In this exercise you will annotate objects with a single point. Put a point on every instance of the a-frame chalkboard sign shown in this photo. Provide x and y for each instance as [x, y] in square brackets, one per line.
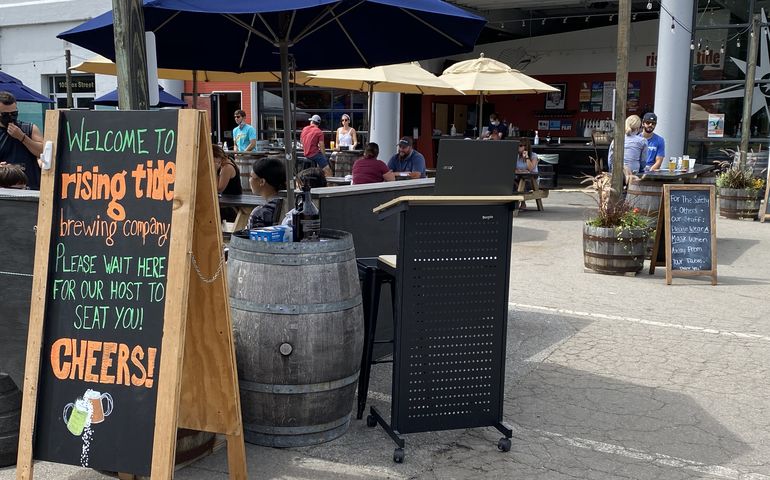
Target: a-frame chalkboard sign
[129, 332]
[764, 212]
[685, 237]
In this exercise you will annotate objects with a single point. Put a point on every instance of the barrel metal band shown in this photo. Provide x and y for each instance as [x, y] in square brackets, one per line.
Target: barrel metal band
[294, 309]
[266, 429]
[301, 259]
[298, 389]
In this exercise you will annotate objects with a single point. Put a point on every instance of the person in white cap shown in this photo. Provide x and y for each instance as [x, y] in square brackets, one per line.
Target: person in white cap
[312, 138]
[656, 145]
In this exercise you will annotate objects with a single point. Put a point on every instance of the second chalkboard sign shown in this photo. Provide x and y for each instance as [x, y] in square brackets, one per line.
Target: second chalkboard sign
[690, 231]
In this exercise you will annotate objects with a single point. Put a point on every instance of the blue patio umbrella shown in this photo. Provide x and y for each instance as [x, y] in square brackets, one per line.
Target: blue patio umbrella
[22, 93]
[166, 99]
[255, 36]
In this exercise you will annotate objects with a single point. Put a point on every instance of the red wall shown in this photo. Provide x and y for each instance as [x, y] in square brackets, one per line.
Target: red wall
[209, 87]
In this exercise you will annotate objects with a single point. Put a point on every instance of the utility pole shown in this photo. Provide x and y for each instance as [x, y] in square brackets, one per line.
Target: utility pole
[751, 71]
[68, 76]
[130, 54]
[621, 93]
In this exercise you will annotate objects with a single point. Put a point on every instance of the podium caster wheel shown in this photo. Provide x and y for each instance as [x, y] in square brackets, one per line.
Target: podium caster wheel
[371, 421]
[504, 444]
[398, 455]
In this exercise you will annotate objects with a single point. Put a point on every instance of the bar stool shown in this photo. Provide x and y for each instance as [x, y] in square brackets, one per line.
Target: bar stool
[374, 273]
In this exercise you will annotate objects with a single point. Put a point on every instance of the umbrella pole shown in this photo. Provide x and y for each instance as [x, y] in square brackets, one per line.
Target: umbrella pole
[369, 111]
[479, 123]
[195, 89]
[287, 123]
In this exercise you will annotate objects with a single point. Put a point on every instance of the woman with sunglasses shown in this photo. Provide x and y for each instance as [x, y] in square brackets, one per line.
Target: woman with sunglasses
[346, 135]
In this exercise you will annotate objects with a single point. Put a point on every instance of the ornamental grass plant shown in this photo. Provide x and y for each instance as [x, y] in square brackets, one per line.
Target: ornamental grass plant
[736, 174]
[613, 211]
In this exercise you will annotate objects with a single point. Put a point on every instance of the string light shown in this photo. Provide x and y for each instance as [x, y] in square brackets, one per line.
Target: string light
[649, 5]
[722, 48]
[565, 20]
[523, 24]
[586, 19]
[700, 42]
[672, 25]
[692, 44]
[708, 50]
[611, 17]
[543, 23]
[738, 43]
[633, 17]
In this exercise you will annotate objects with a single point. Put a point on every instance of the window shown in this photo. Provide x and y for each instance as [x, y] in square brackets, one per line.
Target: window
[83, 90]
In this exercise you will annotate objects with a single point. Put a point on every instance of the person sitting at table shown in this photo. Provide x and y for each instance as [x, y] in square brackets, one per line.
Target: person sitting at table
[228, 180]
[268, 176]
[634, 148]
[346, 135]
[368, 169]
[527, 160]
[407, 160]
[496, 130]
[12, 176]
[312, 138]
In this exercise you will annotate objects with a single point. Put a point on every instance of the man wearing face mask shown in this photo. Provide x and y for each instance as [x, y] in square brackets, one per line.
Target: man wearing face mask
[20, 142]
[496, 129]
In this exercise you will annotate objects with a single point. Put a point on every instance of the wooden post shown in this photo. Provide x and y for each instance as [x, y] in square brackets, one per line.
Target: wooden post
[130, 54]
[68, 76]
[621, 91]
[751, 69]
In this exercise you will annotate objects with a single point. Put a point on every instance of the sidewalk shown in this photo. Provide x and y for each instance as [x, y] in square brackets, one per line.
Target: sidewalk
[607, 376]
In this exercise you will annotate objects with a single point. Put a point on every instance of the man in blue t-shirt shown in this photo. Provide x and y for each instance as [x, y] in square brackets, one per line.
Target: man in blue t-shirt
[407, 160]
[244, 135]
[656, 146]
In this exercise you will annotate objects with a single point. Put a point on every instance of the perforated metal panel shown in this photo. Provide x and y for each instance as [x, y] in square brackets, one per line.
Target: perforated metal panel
[451, 324]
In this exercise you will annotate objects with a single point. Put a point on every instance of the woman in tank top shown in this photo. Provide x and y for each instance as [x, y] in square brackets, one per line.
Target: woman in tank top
[228, 180]
[346, 135]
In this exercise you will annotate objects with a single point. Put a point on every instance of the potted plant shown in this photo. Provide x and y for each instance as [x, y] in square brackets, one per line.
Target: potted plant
[740, 192]
[615, 238]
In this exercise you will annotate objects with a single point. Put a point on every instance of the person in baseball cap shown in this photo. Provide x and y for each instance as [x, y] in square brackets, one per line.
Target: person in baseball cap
[312, 138]
[656, 145]
[408, 161]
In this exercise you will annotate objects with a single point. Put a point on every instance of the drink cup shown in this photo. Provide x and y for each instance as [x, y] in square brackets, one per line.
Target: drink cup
[672, 164]
[75, 416]
[331, 144]
[101, 404]
[685, 164]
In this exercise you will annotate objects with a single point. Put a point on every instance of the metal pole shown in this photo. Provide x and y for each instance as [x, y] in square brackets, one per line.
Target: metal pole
[287, 124]
[68, 76]
[195, 90]
[751, 71]
[130, 54]
[621, 93]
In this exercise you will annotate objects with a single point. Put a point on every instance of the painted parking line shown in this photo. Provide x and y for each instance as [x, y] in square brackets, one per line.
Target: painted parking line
[677, 326]
[660, 459]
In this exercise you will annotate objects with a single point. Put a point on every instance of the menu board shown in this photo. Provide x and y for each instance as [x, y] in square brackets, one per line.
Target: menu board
[690, 230]
[105, 293]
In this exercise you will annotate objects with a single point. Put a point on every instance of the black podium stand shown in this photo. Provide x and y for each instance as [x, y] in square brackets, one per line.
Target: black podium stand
[452, 275]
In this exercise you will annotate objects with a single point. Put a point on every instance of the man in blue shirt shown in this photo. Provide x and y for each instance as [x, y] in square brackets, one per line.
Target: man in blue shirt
[407, 160]
[244, 135]
[656, 145]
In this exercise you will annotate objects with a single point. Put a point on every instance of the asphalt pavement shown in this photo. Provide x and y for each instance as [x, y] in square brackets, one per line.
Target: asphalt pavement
[607, 377]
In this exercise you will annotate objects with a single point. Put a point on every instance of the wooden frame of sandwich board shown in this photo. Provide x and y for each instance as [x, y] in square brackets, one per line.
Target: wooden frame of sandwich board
[662, 243]
[198, 385]
[764, 213]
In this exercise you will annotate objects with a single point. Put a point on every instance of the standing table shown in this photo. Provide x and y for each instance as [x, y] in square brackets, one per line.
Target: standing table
[451, 316]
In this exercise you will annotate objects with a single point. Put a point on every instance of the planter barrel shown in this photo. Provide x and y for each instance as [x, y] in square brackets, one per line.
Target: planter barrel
[605, 253]
[298, 328]
[646, 197]
[739, 203]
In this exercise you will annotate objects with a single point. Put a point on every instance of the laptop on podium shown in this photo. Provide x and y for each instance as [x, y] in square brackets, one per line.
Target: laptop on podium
[475, 167]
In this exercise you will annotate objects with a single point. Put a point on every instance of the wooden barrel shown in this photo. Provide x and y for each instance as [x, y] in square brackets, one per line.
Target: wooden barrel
[298, 328]
[244, 163]
[10, 416]
[344, 160]
[739, 203]
[608, 251]
[646, 197]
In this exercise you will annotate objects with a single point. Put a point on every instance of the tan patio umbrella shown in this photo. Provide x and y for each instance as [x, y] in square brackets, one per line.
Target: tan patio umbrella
[397, 78]
[485, 76]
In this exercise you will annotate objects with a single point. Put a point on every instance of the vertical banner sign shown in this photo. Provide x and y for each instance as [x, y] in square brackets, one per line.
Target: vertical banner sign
[106, 289]
[690, 231]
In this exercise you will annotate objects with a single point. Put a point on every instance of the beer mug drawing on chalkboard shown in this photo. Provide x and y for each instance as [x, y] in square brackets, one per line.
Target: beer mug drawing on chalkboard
[77, 416]
[101, 405]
